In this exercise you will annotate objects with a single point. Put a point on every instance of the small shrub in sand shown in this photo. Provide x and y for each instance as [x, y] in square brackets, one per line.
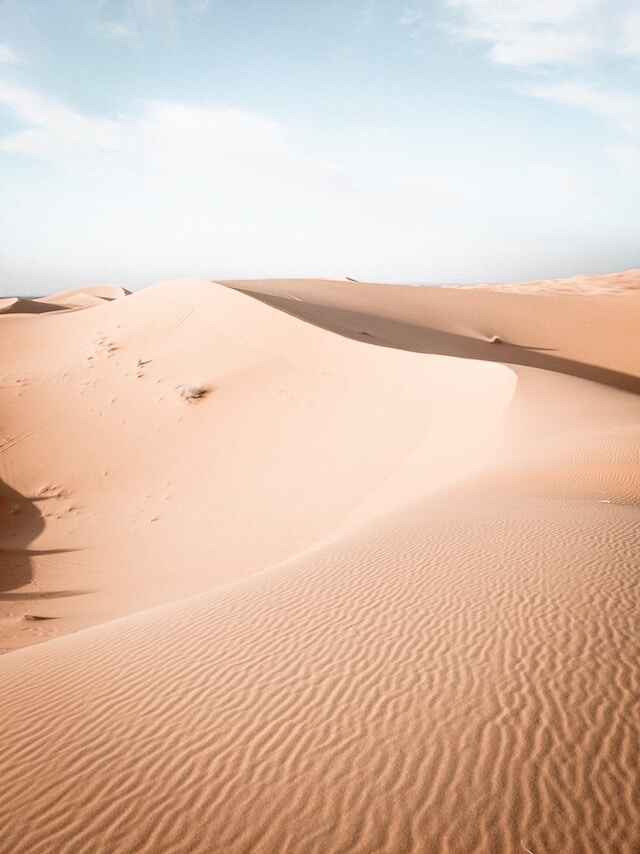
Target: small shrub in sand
[192, 392]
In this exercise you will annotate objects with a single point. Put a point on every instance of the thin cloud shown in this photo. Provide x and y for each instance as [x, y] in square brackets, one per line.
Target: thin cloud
[544, 39]
[167, 11]
[53, 130]
[8, 56]
[618, 108]
[118, 30]
[631, 35]
[130, 20]
[529, 33]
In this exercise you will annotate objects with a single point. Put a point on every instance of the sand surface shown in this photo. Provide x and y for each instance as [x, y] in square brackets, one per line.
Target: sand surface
[268, 587]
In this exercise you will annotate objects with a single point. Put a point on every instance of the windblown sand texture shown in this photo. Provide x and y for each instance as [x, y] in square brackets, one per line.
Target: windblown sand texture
[279, 574]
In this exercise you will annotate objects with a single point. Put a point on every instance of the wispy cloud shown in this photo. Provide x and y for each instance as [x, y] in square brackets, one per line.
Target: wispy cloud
[126, 21]
[52, 129]
[618, 108]
[563, 48]
[166, 11]
[232, 152]
[631, 34]
[525, 33]
[119, 30]
[8, 56]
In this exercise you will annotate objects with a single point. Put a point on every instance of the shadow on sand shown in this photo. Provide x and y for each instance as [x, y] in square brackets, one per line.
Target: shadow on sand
[20, 524]
[399, 334]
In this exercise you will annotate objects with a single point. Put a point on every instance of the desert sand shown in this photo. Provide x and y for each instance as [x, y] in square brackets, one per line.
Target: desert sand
[317, 566]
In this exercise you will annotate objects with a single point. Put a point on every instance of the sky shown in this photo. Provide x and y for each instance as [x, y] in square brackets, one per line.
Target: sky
[434, 141]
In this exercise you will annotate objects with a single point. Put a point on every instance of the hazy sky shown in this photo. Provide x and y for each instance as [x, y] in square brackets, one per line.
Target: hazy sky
[434, 140]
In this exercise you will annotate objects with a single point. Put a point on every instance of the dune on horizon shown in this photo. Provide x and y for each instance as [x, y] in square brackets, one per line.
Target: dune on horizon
[316, 566]
[68, 300]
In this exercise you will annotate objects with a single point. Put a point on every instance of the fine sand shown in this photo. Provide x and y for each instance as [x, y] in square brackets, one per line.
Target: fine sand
[309, 566]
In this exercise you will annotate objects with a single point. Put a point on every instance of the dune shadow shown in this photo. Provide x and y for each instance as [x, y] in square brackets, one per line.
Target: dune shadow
[41, 596]
[34, 552]
[20, 523]
[402, 335]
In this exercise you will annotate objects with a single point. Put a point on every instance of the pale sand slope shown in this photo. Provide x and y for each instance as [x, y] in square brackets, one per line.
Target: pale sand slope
[157, 497]
[452, 670]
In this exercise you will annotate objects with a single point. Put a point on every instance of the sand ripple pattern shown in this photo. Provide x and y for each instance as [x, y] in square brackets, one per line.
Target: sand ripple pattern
[417, 687]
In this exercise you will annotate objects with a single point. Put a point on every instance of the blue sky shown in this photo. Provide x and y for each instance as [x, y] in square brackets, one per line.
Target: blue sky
[433, 140]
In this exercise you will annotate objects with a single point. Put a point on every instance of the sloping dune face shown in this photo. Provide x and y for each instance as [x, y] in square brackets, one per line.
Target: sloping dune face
[445, 658]
[63, 300]
[17, 305]
[85, 297]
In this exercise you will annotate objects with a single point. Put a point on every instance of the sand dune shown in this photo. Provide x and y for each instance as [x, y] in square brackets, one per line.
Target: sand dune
[133, 472]
[62, 300]
[85, 297]
[614, 283]
[19, 305]
[350, 598]
[562, 334]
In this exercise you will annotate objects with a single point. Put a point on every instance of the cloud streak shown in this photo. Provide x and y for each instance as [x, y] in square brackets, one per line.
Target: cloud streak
[565, 48]
[127, 22]
[118, 30]
[529, 33]
[8, 56]
[620, 109]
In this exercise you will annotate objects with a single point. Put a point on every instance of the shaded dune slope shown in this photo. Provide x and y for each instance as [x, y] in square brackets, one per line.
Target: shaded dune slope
[594, 339]
[19, 305]
[103, 292]
[62, 300]
[85, 297]
[451, 668]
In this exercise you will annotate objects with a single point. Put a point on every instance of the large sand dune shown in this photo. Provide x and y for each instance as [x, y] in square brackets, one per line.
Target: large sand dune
[335, 597]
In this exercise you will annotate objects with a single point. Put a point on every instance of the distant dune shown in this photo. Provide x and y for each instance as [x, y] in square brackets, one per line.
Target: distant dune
[316, 566]
[62, 300]
[20, 305]
[84, 297]
[614, 283]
